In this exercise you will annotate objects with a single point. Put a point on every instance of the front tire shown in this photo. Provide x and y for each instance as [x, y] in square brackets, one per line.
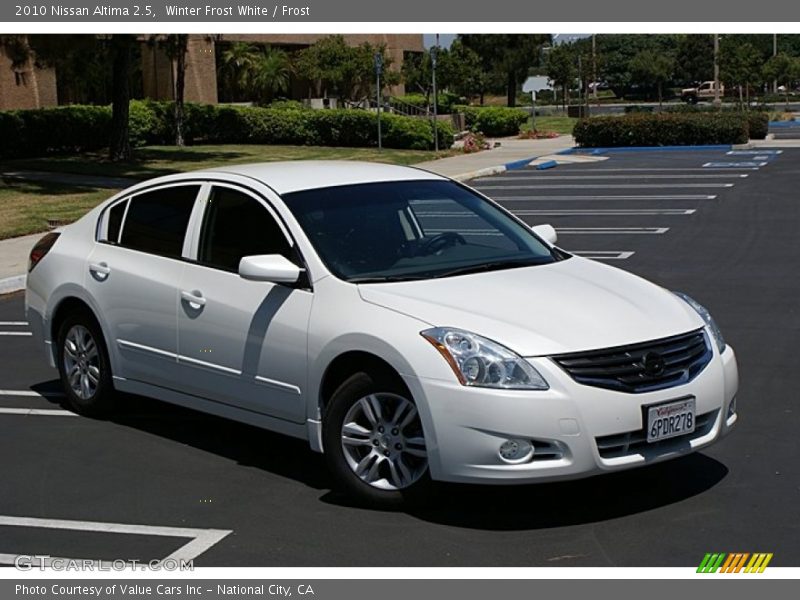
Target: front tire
[83, 365]
[374, 443]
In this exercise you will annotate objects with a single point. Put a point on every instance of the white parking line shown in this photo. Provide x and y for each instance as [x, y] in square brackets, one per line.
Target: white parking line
[613, 186]
[735, 165]
[752, 152]
[626, 177]
[612, 230]
[16, 333]
[30, 393]
[502, 199]
[13, 323]
[201, 539]
[524, 173]
[37, 412]
[600, 212]
[604, 254]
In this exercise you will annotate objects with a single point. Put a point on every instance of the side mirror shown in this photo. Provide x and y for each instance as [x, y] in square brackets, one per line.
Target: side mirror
[269, 267]
[547, 233]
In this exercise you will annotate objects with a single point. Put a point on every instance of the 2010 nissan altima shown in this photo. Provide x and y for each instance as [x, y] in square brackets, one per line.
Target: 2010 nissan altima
[406, 326]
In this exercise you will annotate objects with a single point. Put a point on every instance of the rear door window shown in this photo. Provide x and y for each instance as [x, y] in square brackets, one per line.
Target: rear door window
[156, 221]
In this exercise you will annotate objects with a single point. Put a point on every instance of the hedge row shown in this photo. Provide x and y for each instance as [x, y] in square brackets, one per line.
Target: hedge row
[494, 121]
[758, 118]
[81, 128]
[446, 101]
[662, 129]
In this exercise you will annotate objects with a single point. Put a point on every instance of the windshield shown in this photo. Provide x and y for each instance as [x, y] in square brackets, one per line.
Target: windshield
[406, 230]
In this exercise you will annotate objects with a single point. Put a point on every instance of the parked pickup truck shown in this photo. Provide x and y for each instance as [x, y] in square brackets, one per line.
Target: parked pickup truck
[705, 91]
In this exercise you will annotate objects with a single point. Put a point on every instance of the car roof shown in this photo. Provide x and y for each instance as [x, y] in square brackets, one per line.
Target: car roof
[293, 176]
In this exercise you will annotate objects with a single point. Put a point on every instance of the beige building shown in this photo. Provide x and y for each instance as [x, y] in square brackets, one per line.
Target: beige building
[31, 87]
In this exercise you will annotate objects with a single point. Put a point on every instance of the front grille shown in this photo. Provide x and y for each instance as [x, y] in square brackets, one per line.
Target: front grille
[635, 442]
[635, 368]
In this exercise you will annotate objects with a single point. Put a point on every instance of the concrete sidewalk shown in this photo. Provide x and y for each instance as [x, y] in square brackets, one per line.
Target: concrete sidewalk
[488, 162]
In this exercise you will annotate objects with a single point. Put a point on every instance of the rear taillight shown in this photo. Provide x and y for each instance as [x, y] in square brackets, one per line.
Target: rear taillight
[41, 248]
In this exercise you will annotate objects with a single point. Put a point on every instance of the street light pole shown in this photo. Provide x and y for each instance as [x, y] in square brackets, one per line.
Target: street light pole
[594, 68]
[774, 53]
[434, 57]
[717, 99]
[378, 68]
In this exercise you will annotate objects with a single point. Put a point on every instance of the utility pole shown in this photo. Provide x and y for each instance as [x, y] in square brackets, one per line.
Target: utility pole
[594, 69]
[717, 99]
[434, 57]
[378, 69]
[774, 53]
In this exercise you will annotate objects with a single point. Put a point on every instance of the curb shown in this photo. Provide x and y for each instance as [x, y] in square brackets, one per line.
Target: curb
[578, 150]
[486, 171]
[12, 284]
[546, 165]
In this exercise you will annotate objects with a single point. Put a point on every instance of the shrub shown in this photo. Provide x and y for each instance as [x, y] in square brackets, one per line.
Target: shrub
[758, 123]
[288, 105]
[664, 129]
[46, 130]
[494, 121]
[79, 128]
[447, 101]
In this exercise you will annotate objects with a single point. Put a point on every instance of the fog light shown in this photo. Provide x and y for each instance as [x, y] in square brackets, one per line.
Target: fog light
[732, 408]
[516, 451]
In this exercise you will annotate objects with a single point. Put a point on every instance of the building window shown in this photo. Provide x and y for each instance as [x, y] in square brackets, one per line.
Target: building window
[21, 77]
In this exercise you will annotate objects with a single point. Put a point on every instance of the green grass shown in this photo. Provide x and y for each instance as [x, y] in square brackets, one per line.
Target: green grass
[26, 206]
[152, 161]
[563, 125]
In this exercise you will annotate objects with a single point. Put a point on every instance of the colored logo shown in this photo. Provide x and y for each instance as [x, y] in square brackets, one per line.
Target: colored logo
[737, 562]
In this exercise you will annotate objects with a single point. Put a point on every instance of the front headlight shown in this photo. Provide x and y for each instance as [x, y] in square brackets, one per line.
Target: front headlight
[706, 316]
[480, 362]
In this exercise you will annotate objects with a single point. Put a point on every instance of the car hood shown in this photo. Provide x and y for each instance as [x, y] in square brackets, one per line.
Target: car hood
[566, 306]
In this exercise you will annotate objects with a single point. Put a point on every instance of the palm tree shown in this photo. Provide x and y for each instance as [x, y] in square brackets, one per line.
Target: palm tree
[270, 75]
[236, 67]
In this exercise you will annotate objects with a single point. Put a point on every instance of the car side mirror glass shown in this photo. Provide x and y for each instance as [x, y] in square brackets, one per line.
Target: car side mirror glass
[269, 267]
[547, 233]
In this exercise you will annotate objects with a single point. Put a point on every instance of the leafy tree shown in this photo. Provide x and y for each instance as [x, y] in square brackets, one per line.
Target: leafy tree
[55, 50]
[695, 59]
[740, 64]
[235, 67]
[334, 67]
[511, 55]
[785, 70]
[562, 69]
[175, 46]
[119, 148]
[462, 73]
[270, 74]
[653, 69]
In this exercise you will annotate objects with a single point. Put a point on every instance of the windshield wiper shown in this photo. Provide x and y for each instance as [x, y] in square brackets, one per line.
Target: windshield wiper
[385, 279]
[490, 266]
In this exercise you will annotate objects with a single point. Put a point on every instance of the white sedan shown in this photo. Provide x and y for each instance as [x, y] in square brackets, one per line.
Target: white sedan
[406, 326]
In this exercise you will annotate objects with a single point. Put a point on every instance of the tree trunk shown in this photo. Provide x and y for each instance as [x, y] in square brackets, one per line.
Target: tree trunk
[180, 88]
[119, 144]
[660, 98]
[511, 96]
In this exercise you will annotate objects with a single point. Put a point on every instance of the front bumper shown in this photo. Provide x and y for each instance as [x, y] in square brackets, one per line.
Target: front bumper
[465, 426]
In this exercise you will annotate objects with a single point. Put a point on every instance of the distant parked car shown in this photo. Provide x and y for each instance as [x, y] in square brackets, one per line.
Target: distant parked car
[704, 91]
[406, 326]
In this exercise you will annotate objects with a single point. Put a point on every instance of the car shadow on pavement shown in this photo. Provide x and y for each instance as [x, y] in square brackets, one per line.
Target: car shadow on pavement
[562, 504]
[244, 444]
[491, 508]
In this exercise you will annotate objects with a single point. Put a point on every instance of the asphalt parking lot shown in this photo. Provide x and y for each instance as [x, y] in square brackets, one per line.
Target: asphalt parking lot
[157, 481]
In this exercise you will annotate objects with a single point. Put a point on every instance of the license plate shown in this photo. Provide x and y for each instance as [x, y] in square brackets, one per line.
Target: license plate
[670, 420]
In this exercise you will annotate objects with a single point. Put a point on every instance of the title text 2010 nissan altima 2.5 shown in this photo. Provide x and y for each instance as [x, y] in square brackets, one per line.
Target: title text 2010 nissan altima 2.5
[406, 326]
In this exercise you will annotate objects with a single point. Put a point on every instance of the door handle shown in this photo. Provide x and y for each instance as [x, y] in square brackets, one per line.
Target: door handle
[194, 299]
[101, 270]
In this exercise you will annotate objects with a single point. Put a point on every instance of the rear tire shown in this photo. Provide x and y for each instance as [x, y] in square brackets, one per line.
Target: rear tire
[374, 444]
[83, 365]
